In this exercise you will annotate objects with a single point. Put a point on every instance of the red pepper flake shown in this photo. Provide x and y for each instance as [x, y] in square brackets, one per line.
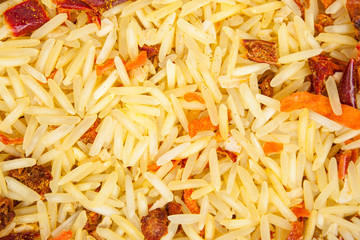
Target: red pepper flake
[7, 140]
[152, 51]
[191, 96]
[347, 85]
[300, 210]
[65, 235]
[272, 147]
[261, 51]
[90, 135]
[327, 3]
[189, 202]
[155, 224]
[353, 7]
[323, 20]
[231, 155]
[344, 158]
[264, 84]
[199, 125]
[102, 68]
[323, 67]
[296, 232]
[25, 17]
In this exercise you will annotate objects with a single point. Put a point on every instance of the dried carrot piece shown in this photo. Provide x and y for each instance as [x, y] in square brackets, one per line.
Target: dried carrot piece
[199, 125]
[272, 147]
[320, 104]
[7, 141]
[296, 232]
[65, 235]
[189, 202]
[191, 96]
[138, 62]
[102, 68]
[153, 167]
[300, 210]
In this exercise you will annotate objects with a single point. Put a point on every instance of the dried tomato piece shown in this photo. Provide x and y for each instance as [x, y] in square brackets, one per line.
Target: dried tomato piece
[323, 20]
[296, 232]
[300, 210]
[344, 158]
[347, 86]
[231, 155]
[7, 213]
[25, 17]
[261, 51]
[93, 219]
[199, 125]
[191, 203]
[152, 51]
[323, 67]
[264, 84]
[155, 224]
[173, 208]
[36, 177]
[22, 236]
[191, 96]
[327, 3]
[7, 140]
[90, 135]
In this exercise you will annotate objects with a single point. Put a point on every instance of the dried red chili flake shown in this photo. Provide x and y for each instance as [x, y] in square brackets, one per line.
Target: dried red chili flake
[7, 140]
[93, 220]
[199, 125]
[22, 236]
[261, 51]
[323, 20]
[300, 210]
[344, 158]
[347, 85]
[65, 235]
[173, 208]
[90, 135]
[189, 202]
[36, 177]
[296, 232]
[25, 17]
[264, 84]
[155, 224]
[301, 6]
[231, 155]
[7, 213]
[327, 3]
[353, 7]
[323, 67]
[152, 51]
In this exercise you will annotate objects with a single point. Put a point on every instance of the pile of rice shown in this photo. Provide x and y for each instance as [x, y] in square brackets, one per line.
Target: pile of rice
[144, 120]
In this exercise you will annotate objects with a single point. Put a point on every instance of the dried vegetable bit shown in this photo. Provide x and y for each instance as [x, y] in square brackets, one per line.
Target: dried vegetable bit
[138, 62]
[152, 51]
[90, 135]
[344, 158]
[320, 104]
[323, 67]
[93, 220]
[155, 224]
[264, 84]
[102, 68]
[7, 140]
[66, 235]
[296, 232]
[23, 236]
[322, 21]
[36, 177]
[327, 3]
[261, 51]
[347, 86]
[300, 210]
[7, 213]
[202, 124]
[25, 17]
[189, 202]
[353, 7]
[272, 147]
[233, 156]
[173, 208]
[191, 96]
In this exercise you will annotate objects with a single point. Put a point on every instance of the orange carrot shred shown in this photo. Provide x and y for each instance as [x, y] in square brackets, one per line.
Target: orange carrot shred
[189, 202]
[65, 235]
[102, 68]
[191, 96]
[7, 141]
[199, 125]
[272, 147]
[300, 210]
[138, 62]
[320, 104]
[153, 167]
